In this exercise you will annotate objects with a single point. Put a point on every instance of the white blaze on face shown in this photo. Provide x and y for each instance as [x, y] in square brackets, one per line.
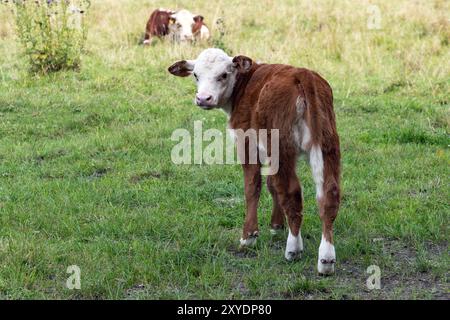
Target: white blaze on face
[215, 76]
[184, 21]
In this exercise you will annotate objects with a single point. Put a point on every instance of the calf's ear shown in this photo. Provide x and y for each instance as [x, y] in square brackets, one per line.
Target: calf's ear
[242, 63]
[198, 18]
[182, 68]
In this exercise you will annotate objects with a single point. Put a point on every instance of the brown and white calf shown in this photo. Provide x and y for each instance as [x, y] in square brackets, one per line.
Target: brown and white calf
[299, 103]
[179, 25]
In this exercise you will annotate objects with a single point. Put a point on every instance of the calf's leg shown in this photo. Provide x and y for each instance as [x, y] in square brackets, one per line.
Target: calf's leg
[325, 169]
[252, 180]
[277, 220]
[289, 195]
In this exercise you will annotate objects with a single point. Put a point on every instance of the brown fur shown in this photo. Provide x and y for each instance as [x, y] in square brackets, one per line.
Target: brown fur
[158, 24]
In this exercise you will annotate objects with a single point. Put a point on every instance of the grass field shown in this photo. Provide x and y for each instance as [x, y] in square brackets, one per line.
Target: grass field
[86, 176]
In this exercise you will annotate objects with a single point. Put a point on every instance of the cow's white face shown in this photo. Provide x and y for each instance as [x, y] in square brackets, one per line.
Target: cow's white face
[184, 21]
[215, 74]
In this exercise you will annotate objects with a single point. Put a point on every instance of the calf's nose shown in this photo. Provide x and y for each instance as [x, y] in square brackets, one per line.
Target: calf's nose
[203, 99]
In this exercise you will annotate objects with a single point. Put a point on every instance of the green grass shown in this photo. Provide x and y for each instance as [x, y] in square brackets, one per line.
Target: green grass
[86, 176]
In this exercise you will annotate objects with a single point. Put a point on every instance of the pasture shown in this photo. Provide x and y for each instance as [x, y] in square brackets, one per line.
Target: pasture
[86, 176]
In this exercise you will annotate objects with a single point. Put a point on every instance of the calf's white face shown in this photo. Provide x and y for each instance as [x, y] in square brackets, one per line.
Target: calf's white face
[184, 21]
[215, 74]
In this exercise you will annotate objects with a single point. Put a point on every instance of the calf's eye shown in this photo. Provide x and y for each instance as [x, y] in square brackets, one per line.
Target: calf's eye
[223, 76]
[196, 78]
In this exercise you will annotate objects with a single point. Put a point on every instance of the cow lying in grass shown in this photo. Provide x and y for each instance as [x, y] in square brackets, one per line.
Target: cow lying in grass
[299, 103]
[177, 25]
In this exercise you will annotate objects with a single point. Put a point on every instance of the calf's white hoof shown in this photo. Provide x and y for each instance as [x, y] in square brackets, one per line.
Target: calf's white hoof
[276, 229]
[294, 247]
[250, 241]
[326, 267]
[327, 258]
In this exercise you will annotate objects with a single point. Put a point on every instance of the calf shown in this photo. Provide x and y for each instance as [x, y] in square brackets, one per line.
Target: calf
[299, 103]
[180, 26]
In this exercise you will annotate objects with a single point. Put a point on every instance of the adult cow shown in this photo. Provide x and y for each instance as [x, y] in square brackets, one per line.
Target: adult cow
[179, 25]
[299, 103]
